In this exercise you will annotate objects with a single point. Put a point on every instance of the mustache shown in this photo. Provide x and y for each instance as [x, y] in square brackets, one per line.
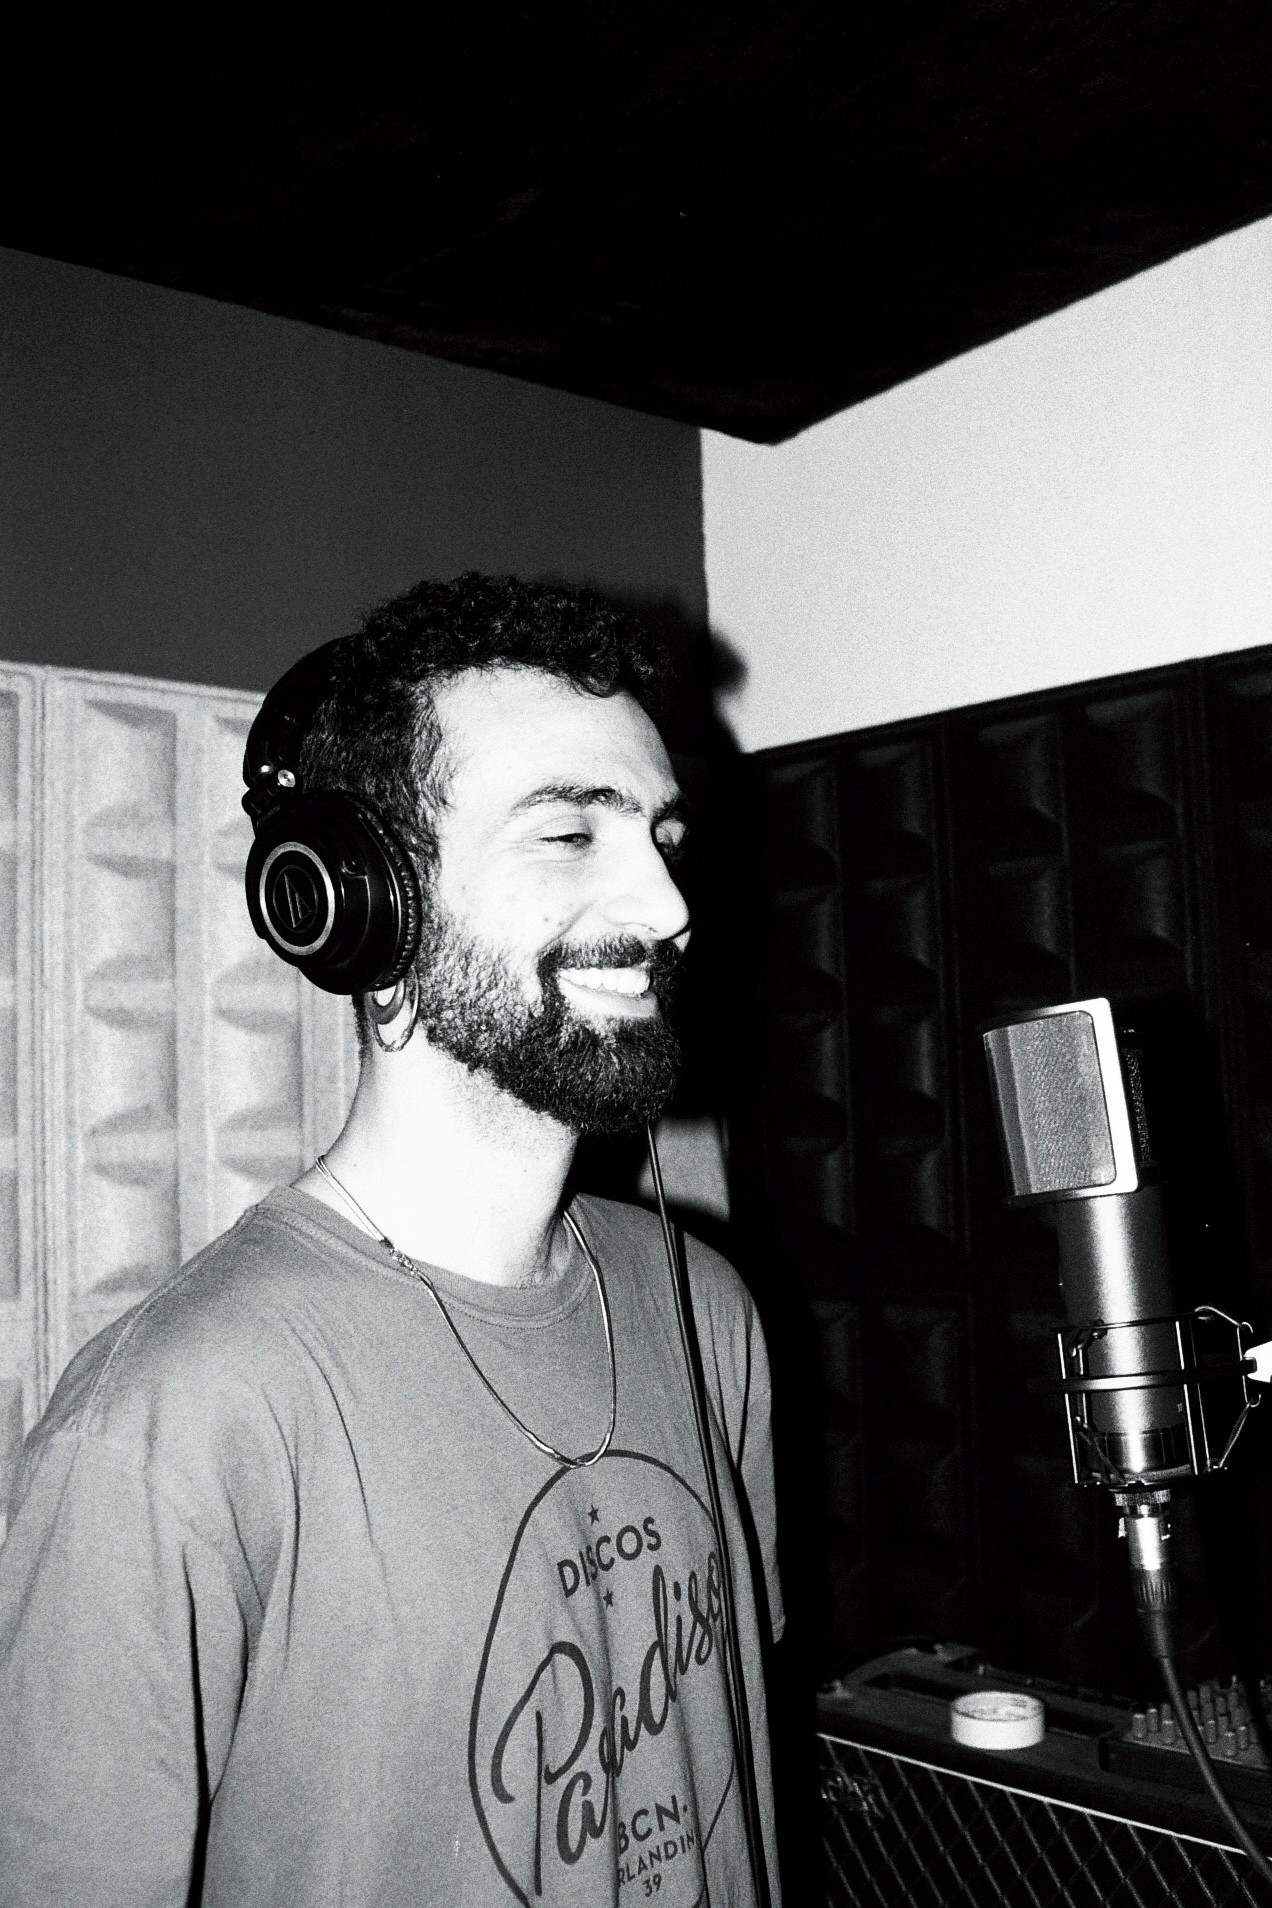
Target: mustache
[662, 958]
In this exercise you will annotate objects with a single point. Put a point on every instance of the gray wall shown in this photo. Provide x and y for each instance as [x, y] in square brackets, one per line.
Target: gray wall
[194, 491]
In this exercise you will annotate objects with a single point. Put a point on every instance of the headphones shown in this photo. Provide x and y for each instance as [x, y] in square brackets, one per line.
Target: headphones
[330, 885]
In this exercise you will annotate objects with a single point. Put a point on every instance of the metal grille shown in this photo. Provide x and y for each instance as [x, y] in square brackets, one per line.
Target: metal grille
[898, 1835]
[1051, 1097]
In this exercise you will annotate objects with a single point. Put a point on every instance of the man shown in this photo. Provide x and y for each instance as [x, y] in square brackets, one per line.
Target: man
[369, 1560]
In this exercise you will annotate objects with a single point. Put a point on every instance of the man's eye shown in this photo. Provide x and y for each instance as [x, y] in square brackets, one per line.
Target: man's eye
[671, 848]
[571, 836]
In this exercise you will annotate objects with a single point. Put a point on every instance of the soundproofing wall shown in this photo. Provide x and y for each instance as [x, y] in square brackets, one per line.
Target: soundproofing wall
[911, 881]
[160, 1069]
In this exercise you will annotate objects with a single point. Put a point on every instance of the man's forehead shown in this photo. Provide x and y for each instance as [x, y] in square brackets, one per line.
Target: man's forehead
[520, 737]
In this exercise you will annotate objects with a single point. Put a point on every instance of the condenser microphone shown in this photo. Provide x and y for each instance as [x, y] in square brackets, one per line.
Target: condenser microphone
[1069, 1098]
[1070, 1105]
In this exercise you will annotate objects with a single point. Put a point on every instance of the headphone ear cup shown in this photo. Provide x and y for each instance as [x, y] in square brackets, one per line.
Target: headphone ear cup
[401, 876]
[334, 892]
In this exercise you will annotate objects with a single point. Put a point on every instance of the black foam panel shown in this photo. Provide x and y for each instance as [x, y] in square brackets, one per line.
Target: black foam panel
[1109, 837]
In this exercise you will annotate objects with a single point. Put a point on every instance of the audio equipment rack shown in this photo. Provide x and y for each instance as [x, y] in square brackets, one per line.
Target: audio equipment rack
[1236, 1725]
[1094, 1814]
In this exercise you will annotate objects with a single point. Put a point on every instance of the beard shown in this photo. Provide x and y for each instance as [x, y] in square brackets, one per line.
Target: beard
[607, 1076]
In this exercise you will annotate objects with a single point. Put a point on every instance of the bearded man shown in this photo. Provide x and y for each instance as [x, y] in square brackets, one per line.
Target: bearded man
[370, 1560]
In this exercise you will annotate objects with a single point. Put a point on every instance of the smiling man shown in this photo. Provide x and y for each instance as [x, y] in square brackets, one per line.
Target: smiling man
[370, 1560]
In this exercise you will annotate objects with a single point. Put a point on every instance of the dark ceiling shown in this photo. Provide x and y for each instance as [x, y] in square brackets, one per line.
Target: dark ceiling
[744, 218]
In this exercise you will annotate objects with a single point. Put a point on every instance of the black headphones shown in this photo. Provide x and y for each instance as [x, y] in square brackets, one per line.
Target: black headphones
[329, 884]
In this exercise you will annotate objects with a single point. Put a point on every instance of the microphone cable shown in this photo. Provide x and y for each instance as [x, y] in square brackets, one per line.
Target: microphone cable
[1147, 1532]
[735, 1679]
[1197, 1749]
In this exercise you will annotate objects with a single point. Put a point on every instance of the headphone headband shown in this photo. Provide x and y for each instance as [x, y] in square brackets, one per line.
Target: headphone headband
[277, 735]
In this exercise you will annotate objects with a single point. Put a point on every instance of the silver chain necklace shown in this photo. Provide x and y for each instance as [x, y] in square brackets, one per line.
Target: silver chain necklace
[418, 1272]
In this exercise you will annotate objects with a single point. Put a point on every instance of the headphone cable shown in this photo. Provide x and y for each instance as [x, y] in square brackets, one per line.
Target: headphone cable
[735, 1681]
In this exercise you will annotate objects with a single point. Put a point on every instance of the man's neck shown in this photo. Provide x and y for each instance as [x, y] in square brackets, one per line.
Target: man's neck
[452, 1169]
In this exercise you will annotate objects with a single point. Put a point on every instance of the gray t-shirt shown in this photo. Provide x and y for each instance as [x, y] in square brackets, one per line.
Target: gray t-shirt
[290, 1612]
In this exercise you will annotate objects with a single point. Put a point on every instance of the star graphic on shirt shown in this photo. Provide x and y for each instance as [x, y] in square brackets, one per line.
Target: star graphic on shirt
[609, 1599]
[594, 1516]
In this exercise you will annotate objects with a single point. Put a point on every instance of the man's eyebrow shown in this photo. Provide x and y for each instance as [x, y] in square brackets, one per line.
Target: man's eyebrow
[599, 795]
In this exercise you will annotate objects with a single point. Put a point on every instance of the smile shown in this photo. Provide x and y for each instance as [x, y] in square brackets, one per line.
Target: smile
[631, 981]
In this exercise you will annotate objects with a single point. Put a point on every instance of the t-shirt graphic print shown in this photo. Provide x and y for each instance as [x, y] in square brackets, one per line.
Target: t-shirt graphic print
[600, 1737]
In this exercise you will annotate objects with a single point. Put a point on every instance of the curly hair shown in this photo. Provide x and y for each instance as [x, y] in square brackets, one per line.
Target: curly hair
[375, 731]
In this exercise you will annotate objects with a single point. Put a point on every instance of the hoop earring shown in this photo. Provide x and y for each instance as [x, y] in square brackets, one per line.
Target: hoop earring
[382, 1013]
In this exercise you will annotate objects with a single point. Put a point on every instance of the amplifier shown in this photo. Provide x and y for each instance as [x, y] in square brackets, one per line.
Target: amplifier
[1092, 1815]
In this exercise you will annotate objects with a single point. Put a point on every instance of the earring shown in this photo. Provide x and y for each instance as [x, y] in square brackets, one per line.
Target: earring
[382, 1013]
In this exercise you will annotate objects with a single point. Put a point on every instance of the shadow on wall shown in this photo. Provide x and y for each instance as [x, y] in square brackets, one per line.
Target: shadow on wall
[720, 1027]
[693, 1135]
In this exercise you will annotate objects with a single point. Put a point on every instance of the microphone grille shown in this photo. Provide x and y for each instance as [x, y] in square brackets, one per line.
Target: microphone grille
[1053, 1116]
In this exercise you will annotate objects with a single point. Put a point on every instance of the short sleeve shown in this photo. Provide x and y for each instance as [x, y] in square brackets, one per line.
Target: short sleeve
[735, 1358]
[121, 1653]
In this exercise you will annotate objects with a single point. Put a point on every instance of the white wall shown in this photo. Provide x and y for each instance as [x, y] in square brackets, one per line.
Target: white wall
[1090, 495]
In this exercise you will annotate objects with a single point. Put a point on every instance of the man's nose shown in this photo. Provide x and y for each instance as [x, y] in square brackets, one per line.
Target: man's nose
[645, 899]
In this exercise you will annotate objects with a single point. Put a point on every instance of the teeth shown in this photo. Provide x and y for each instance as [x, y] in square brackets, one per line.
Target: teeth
[609, 980]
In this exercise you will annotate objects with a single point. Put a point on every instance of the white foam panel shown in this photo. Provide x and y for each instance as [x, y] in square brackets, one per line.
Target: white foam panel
[166, 1069]
[20, 1321]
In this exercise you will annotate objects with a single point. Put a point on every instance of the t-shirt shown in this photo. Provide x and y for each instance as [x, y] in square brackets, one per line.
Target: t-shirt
[292, 1613]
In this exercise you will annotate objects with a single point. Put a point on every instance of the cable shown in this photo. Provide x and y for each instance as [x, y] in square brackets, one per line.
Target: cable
[1189, 1731]
[735, 1682]
[1147, 1531]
